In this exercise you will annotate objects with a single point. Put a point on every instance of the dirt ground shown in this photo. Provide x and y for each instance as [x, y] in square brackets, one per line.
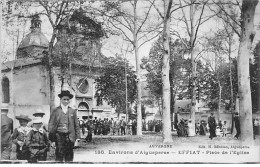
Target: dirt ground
[149, 148]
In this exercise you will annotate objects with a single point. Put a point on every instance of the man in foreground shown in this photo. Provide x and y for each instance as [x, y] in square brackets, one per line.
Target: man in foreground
[64, 128]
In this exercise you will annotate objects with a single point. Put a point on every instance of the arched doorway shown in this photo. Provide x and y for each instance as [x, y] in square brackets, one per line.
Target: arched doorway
[84, 111]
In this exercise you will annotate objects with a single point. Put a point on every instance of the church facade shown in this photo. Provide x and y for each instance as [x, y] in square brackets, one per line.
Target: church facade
[26, 81]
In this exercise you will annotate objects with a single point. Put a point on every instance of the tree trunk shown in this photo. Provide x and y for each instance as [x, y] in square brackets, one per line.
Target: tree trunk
[172, 102]
[231, 109]
[230, 75]
[193, 96]
[51, 71]
[219, 101]
[246, 39]
[167, 137]
[138, 75]
[193, 64]
[1, 68]
[233, 129]
[258, 92]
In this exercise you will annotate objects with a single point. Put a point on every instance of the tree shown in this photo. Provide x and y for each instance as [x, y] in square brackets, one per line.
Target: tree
[216, 46]
[192, 24]
[246, 39]
[1, 4]
[192, 28]
[167, 137]
[228, 11]
[178, 74]
[254, 79]
[110, 86]
[132, 26]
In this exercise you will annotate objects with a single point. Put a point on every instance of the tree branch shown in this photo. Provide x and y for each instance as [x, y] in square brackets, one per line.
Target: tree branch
[157, 9]
[185, 20]
[228, 22]
[146, 16]
[196, 32]
[150, 39]
[222, 9]
[47, 11]
[128, 39]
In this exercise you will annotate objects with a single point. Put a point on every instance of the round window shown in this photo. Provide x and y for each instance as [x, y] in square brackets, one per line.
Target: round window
[83, 85]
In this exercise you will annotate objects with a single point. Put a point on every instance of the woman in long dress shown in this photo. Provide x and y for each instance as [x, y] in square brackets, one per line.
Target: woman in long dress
[191, 129]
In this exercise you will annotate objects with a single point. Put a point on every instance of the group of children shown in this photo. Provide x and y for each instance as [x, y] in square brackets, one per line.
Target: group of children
[221, 129]
[31, 141]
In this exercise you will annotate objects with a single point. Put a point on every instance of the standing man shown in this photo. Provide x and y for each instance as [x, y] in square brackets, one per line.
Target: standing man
[237, 125]
[122, 126]
[134, 125]
[64, 128]
[111, 126]
[89, 127]
[6, 131]
[212, 126]
[95, 125]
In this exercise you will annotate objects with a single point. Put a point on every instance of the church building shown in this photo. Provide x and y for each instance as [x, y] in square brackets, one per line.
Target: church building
[26, 81]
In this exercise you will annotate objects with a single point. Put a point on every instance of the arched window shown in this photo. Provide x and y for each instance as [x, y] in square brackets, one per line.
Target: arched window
[5, 90]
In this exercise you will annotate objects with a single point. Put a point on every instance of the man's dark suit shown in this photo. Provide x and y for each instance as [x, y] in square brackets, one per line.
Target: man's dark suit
[212, 126]
[65, 142]
[6, 131]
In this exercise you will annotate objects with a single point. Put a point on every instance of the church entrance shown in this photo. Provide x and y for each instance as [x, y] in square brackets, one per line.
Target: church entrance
[83, 111]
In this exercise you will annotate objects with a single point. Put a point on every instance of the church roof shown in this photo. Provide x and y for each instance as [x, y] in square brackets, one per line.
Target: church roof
[34, 38]
[20, 63]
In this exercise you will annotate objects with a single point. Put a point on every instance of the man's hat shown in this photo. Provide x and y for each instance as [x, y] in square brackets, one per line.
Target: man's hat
[23, 117]
[39, 112]
[65, 93]
[37, 121]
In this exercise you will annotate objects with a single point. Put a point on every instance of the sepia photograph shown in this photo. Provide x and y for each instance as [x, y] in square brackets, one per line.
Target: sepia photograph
[130, 82]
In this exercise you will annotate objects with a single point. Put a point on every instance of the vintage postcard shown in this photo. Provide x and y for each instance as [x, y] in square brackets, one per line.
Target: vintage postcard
[130, 81]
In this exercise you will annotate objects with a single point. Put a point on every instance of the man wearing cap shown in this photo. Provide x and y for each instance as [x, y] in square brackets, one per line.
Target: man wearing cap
[64, 128]
[6, 131]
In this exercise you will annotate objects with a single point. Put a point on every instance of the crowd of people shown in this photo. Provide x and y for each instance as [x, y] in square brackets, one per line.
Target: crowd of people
[99, 126]
[214, 128]
[32, 139]
[152, 125]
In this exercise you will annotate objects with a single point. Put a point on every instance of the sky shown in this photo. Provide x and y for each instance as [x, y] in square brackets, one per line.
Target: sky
[114, 44]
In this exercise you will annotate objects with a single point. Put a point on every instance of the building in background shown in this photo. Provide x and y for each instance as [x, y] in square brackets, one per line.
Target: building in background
[25, 80]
